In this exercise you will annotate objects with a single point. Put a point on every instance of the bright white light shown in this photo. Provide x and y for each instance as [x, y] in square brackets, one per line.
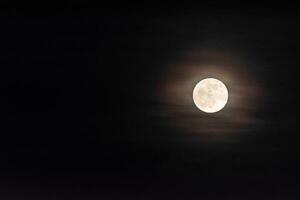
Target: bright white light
[210, 95]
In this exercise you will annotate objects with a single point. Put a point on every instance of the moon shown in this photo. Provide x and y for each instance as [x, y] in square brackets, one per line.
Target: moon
[210, 95]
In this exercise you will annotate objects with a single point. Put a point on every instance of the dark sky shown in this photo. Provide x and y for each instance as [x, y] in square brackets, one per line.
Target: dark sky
[81, 117]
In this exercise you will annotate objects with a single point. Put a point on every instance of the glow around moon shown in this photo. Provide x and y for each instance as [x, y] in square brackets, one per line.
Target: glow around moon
[210, 95]
[179, 109]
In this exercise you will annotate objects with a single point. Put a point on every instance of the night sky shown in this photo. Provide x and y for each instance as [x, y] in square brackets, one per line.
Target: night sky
[95, 107]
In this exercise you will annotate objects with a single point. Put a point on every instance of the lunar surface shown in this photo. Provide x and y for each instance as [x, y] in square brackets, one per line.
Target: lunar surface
[210, 95]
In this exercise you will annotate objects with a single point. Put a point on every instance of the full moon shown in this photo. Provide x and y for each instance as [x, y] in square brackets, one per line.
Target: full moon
[210, 95]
